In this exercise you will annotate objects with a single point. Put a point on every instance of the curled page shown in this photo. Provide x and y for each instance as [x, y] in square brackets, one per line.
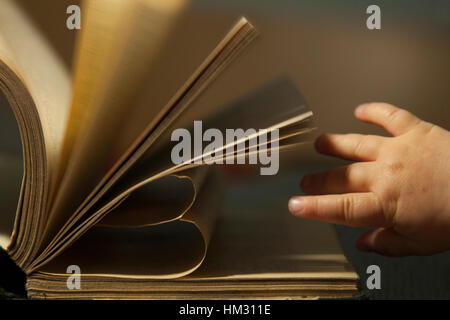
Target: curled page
[163, 249]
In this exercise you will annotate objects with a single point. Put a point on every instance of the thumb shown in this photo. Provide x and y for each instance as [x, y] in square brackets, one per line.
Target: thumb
[386, 241]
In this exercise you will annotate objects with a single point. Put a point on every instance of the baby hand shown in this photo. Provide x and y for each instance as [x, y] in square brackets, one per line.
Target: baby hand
[399, 185]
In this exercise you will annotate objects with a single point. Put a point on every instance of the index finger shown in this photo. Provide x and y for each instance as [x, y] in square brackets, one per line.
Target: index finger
[352, 209]
[395, 120]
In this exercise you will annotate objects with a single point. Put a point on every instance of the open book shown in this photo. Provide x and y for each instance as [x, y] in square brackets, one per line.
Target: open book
[100, 190]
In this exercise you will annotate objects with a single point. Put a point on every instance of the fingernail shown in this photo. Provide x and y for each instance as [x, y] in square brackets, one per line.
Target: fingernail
[296, 206]
[319, 142]
[360, 108]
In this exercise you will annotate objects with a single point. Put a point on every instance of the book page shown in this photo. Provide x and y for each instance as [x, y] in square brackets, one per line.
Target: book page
[254, 252]
[124, 213]
[48, 17]
[36, 84]
[266, 244]
[254, 110]
[43, 72]
[161, 249]
[217, 60]
[118, 44]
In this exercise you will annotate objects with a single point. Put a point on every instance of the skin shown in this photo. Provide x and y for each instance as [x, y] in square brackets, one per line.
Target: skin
[398, 185]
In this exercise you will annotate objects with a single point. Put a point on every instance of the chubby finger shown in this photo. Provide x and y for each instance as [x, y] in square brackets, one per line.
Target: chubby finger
[395, 120]
[345, 179]
[352, 209]
[351, 146]
[386, 241]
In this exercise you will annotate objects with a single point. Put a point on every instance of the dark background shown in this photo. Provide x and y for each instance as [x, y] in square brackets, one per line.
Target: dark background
[337, 63]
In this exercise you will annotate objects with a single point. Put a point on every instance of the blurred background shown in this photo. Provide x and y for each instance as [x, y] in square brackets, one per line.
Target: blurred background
[325, 47]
